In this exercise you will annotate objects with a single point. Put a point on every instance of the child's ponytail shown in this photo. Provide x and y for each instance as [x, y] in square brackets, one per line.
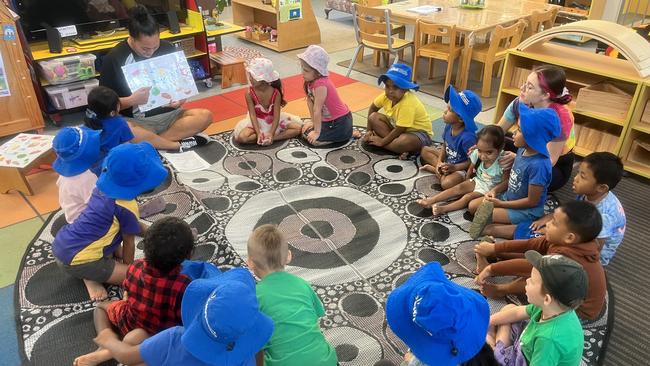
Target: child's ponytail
[552, 80]
[102, 101]
[277, 84]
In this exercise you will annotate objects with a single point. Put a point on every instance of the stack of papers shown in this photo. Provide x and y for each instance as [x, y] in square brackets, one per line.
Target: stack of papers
[425, 9]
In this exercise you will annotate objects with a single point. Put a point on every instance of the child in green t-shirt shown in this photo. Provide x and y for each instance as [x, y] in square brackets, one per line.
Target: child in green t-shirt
[290, 302]
[553, 334]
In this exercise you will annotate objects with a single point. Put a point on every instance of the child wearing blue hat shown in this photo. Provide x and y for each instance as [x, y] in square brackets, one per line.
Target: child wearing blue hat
[290, 302]
[404, 126]
[547, 331]
[223, 326]
[451, 162]
[77, 149]
[442, 323]
[85, 249]
[529, 177]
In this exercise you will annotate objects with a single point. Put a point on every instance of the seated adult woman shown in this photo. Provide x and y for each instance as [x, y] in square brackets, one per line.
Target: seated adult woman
[545, 88]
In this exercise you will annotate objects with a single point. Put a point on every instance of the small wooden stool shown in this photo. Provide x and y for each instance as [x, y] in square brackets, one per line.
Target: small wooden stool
[12, 178]
[232, 69]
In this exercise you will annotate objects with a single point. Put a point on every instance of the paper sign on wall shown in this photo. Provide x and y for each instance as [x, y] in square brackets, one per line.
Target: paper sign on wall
[169, 77]
[290, 10]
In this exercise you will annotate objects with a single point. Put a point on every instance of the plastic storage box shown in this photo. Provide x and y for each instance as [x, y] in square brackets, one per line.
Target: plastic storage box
[71, 95]
[68, 69]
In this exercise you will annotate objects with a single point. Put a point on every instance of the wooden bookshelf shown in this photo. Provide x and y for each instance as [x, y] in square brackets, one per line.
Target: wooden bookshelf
[292, 34]
[595, 131]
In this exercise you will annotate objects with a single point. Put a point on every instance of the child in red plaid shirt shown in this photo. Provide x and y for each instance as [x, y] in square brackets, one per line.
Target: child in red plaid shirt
[153, 286]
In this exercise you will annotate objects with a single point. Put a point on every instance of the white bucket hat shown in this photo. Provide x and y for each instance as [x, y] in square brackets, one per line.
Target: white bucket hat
[261, 69]
[317, 58]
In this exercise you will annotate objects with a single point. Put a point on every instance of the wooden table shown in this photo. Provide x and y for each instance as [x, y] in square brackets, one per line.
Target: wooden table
[470, 22]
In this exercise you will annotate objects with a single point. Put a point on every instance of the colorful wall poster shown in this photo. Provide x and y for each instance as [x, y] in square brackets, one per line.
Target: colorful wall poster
[169, 77]
[290, 10]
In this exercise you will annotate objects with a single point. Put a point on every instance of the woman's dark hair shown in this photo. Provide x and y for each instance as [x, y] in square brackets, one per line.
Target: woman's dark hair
[277, 84]
[167, 243]
[101, 102]
[141, 22]
[552, 79]
[494, 134]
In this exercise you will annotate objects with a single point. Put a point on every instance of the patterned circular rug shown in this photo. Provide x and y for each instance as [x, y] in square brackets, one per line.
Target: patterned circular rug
[349, 216]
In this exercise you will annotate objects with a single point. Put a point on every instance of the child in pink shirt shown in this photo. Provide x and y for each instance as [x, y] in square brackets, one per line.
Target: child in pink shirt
[77, 149]
[331, 119]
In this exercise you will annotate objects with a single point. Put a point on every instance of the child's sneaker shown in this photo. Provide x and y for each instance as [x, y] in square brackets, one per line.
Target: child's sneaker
[194, 141]
[482, 218]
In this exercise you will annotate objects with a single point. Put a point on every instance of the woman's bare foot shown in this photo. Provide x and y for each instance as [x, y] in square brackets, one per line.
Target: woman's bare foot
[493, 291]
[428, 168]
[481, 263]
[96, 290]
[93, 358]
[438, 209]
[356, 134]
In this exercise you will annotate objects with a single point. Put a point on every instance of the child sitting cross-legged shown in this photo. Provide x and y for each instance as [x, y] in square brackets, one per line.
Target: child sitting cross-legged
[222, 326]
[442, 323]
[489, 175]
[99, 245]
[451, 162]
[265, 122]
[597, 175]
[572, 232]
[154, 288]
[404, 127]
[547, 331]
[77, 150]
[290, 301]
[529, 177]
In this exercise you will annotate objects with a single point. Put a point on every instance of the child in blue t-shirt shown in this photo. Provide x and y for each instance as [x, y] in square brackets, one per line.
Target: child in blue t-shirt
[103, 113]
[222, 325]
[529, 177]
[85, 249]
[597, 175]
[451, 162]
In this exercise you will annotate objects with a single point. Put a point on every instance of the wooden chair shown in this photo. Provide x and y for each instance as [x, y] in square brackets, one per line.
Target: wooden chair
[366, 8]
[435, 42]
[495, 51]
[539, 21]
[376, 33]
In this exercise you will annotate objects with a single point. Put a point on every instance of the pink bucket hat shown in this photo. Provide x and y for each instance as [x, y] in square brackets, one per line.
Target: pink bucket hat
[317, 58]
[262, 70]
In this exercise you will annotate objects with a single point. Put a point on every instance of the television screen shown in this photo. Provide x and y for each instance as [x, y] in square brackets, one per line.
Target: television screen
[87, 15]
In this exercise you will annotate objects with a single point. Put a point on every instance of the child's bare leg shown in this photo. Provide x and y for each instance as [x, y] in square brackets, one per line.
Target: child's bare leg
[379, 124]
[405, 143]
[100, 319]
[473, 206]
[504, 330]
[500, 216]
[119, 274]
[96, 290]
[455, 191]
[490, 337]
[136, 336]
[481, 263]
[500, 231]
[497, 291]
[451, 180]
[459, 204]
[293, 130]
[430, 156]
[247, 136]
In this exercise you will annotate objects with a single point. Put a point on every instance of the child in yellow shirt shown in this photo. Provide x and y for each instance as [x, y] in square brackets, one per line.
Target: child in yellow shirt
[404, 126]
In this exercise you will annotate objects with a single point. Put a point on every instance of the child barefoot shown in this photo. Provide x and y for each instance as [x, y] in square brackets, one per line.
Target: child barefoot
[290, 302]
[598, 174]
[572, 233]
[405, 126]
[77, 149]
[331, 119]
[547, 331]
[85, 249]
[222, 325]
[489, 176]
[265, 122]
[529, 177]
[155, 287]
[450, 164]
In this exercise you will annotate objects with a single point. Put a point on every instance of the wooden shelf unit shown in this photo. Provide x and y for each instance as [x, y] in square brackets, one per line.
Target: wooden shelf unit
[596, 9]
[292, 34]
[594, 131]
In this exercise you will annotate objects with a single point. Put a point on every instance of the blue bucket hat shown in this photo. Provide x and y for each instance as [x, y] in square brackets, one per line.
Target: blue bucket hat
[77, 149]
[401, 75]
[539, 126]
[443, 323]
[223, 323]
[466, 104]
[130, 169]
